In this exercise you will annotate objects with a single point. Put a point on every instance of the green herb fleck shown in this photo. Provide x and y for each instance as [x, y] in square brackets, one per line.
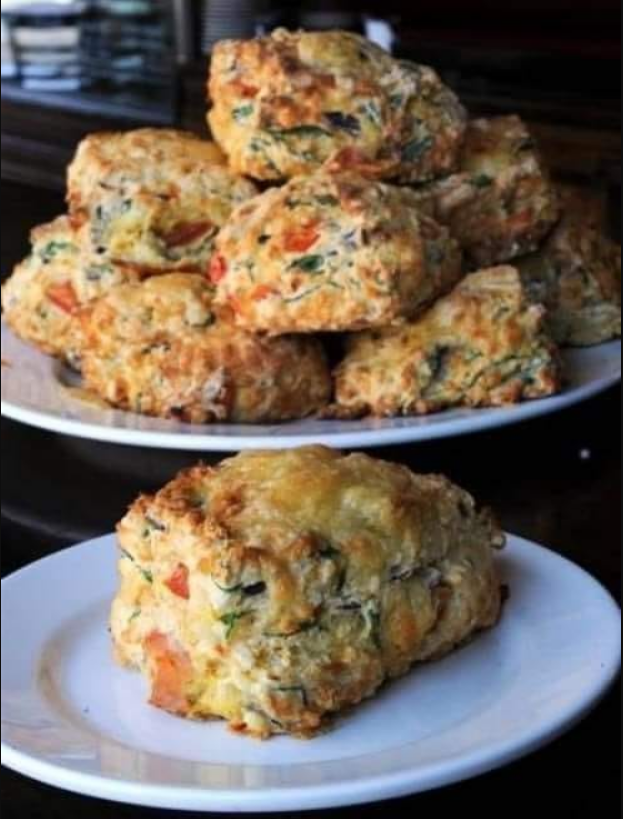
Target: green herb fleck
[372, 112]
[53, 249]
[396, 100]
[261, 146]
[303, 295]
[152, 525]
[241, 113]
[349, 605]
[309, 264]
[230, 620]
[343, 122]
[481, 180]
[147, 575]
[415, 149]
[372, 617]
[252, 590]
[228, 589]
[328, 200]
[438, 361]
[301, 628]
[298, 131]
[135, 615]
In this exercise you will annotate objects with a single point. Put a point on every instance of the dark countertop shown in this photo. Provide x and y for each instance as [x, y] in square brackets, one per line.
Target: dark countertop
[555, 480]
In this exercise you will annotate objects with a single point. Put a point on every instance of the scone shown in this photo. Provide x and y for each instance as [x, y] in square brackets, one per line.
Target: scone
[155, 348]
[280, 588]
[41, 299]
[154, 198]
[483, 345]
[501, 203]
[576, 274]
[290, 103]
[330, 252]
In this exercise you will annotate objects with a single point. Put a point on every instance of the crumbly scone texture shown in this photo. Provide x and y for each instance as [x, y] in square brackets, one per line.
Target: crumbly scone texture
[280, 588]
[331, 252]
[576, 274]
[483, 345]
[157, 349]
[292, 102]
[41, 299]
[154, 198]
[501, 204]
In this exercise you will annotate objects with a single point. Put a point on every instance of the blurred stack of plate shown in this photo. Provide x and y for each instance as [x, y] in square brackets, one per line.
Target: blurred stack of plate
[41, 44]
[324, 19]
[128, 42]
[227, 19]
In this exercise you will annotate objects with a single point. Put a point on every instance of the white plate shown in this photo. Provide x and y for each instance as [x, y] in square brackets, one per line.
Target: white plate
[71, 718]
[34, 391]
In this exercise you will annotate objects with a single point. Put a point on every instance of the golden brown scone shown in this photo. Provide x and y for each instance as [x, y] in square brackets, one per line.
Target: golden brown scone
[280, 588]
[576, 274]
[155, 348]
[502, 203]
[42, 297]
[154, 198]
[330, 252]
[289, 103]
[483, 345]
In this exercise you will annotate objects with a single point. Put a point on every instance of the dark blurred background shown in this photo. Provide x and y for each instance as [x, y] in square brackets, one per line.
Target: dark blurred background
[71, 67]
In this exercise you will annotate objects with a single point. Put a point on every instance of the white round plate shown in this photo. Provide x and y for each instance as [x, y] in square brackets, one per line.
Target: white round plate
[37, 390]
[71, 718]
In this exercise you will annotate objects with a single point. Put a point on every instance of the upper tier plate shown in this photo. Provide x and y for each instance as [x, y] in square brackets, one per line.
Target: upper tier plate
[39, 391]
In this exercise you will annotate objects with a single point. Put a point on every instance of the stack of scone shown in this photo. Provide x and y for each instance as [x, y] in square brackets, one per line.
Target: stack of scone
[437, 247]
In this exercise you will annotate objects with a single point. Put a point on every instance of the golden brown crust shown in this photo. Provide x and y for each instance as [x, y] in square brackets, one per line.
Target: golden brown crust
[576, 274]
[41, 299]
[155, 348]
[483, 345]
[280, 588]
[501, 204]
[290, 103]
[153, 198]
[331, 252]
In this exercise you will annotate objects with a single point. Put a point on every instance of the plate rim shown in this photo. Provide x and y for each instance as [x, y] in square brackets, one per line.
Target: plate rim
[192, 439]
[333, 795]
